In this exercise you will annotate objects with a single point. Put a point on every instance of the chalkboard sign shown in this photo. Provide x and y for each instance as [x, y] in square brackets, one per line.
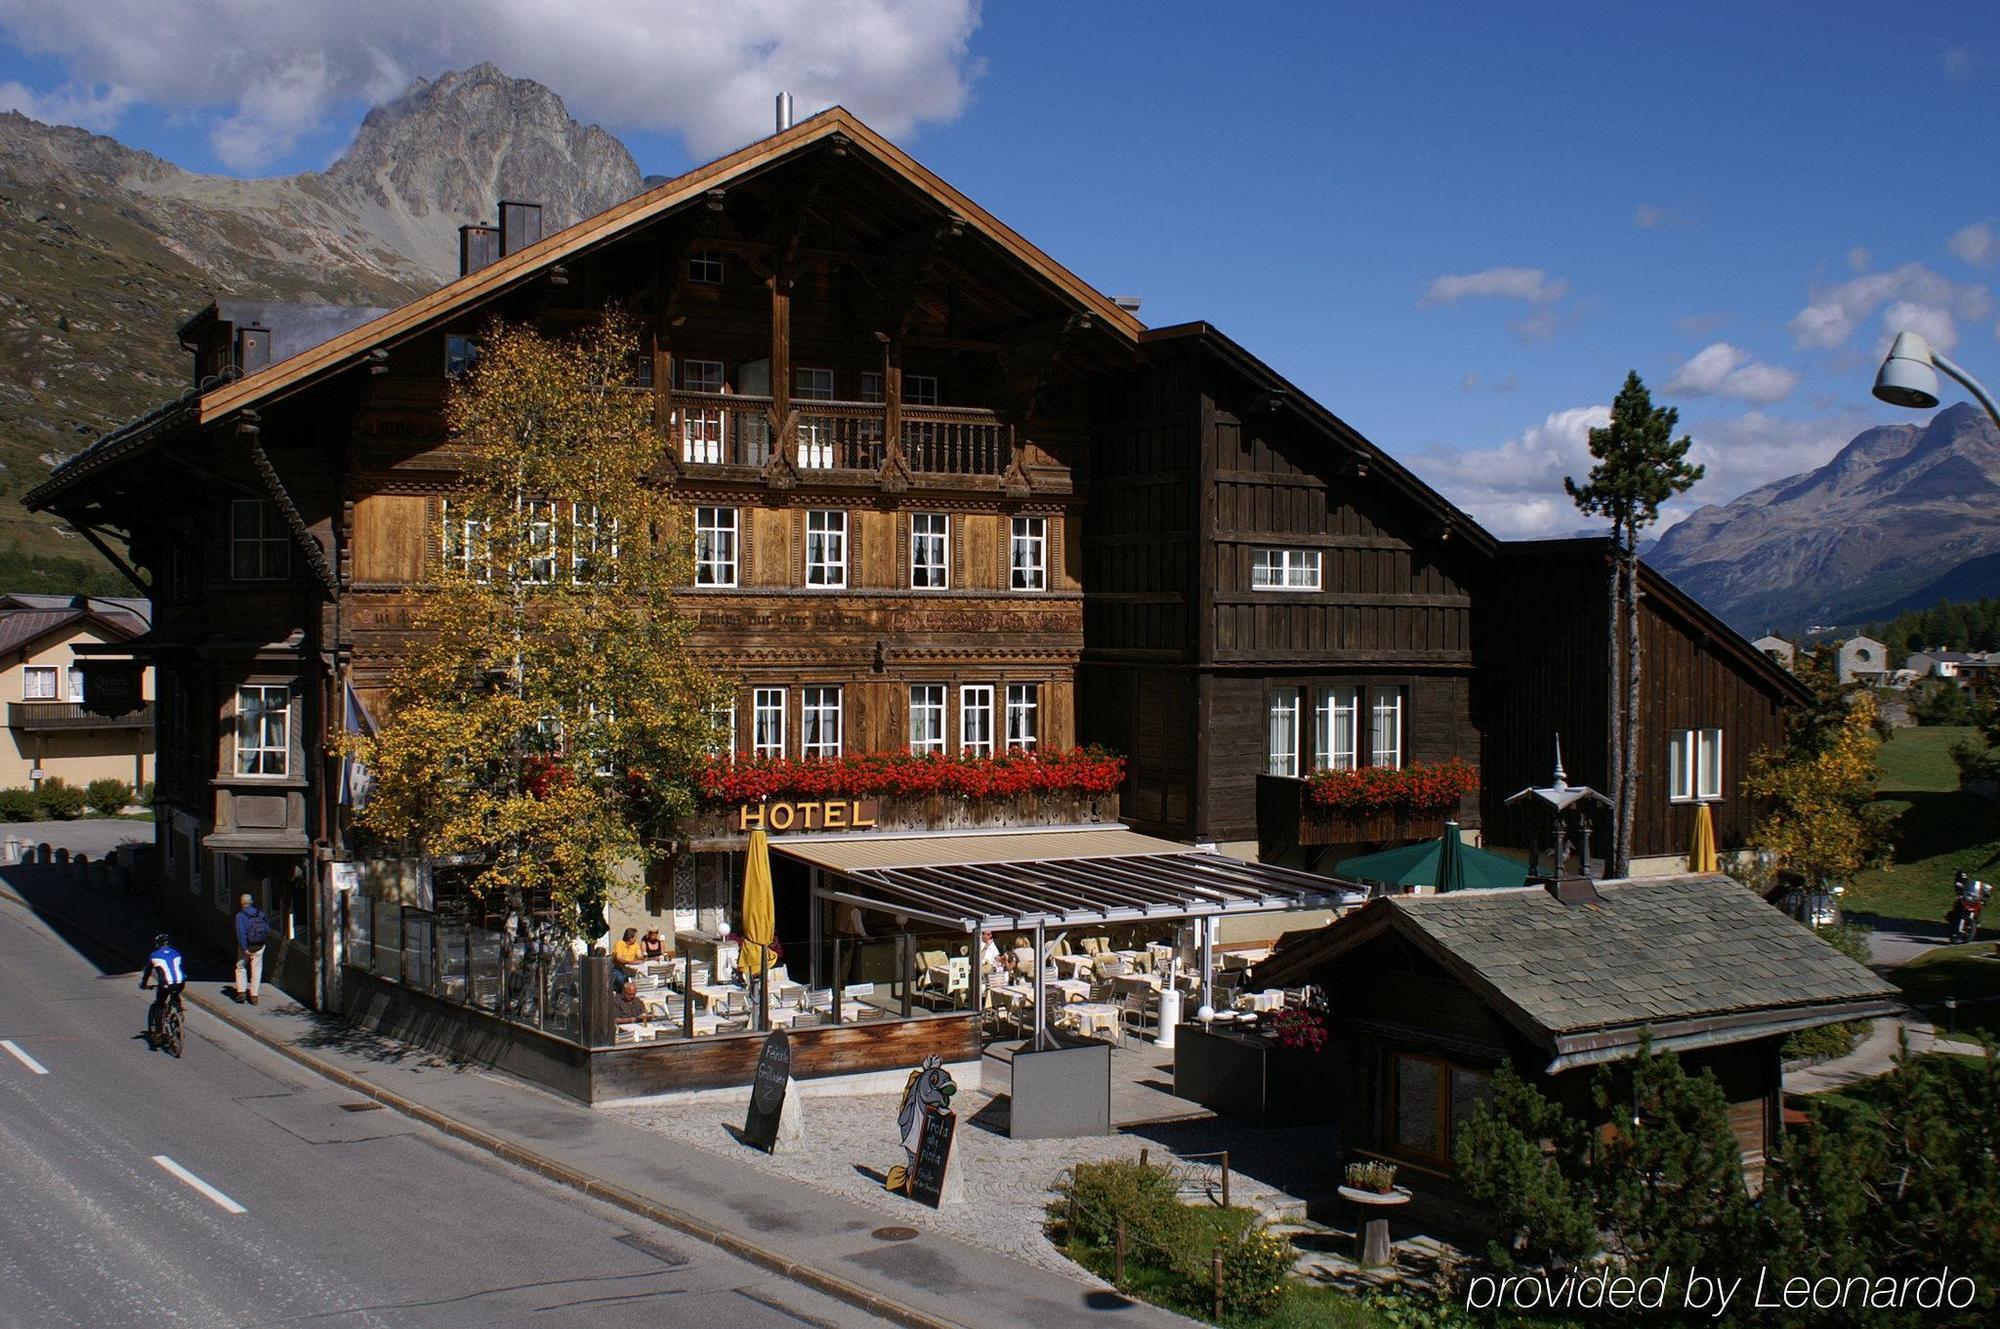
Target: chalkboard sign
[767, 1092]
[933, 1157]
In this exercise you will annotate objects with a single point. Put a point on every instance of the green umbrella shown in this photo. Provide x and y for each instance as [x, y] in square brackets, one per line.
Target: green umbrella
[1446, 863]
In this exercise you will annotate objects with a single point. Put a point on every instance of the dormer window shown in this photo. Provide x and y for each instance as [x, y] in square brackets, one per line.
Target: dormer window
[705, 267]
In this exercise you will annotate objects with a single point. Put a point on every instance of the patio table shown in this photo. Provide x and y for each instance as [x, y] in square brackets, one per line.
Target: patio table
[1092, 1015]
[1071, 965]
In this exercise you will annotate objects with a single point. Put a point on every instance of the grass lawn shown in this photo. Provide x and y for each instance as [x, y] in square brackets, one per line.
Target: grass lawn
[1939, 829]
[1970, 973]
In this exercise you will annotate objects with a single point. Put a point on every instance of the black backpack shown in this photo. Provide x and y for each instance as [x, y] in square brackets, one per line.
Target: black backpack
[256, 931]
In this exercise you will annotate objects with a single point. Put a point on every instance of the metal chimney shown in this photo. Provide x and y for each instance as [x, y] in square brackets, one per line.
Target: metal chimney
[784, 111]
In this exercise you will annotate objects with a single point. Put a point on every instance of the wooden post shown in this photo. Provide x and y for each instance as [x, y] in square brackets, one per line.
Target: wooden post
[906, 961]
[687, 995]
[596, 978]
[1225, 1179]
[781, 364]
[1215, 1269]
[1118, 1255]
[1142, 1156]
[839, 978]
[892, 398]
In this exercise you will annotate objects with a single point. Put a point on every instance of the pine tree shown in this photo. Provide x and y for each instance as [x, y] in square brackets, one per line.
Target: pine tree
[1525, 1164]
[1640, 465]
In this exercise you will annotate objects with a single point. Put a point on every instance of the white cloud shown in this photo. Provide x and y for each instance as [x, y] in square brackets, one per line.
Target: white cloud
[1742, 452]
[96, 109]
[1836, 311]
[1530, 284]
[1859, 259]
[703, 70]
[1912, 316]
[1978, 243]
[1722, 370]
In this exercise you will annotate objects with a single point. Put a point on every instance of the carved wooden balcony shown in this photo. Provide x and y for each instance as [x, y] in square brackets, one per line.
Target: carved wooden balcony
[41, 716]
[734, 429]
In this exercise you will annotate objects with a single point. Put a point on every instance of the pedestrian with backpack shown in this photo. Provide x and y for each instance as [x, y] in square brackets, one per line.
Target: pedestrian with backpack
[253, 933]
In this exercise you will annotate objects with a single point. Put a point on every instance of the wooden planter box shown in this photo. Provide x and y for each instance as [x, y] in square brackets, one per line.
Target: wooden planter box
[1286, 815]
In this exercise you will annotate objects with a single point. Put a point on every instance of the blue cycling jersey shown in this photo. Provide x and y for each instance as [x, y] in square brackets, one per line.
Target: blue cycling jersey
[165, 965]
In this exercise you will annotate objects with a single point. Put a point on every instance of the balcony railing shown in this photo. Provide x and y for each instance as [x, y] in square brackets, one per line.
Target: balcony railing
[71, 715]
[731, 429]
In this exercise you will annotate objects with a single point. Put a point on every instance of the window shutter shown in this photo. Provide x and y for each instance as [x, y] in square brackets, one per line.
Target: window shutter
[798, 547]
[746, 564]
[853, 524]
[902, 574]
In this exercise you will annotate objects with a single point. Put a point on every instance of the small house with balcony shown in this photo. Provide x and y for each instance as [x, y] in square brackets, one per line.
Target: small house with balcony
[55, 731]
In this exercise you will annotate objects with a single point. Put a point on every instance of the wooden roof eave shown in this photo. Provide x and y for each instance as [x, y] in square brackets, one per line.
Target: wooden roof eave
[1456, 520]
[497, 278]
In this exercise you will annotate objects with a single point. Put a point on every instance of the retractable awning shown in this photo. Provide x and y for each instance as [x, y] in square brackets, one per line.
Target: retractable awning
[1054, 879]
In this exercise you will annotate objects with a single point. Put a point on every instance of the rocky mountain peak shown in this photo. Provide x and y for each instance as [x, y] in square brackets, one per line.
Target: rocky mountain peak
[440, 154]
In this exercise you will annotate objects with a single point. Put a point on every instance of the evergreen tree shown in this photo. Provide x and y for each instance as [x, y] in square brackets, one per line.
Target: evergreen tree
[1525, 1164]
[1640, 465]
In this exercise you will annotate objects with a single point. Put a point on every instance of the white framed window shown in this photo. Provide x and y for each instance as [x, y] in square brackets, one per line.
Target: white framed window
[930, 551]
[1029, 556]
[538, 518]
[1023, 724]
[819, 722]
[465, 544]
[1282, 731]
[722, 723]
[926, 717]
[593, 542]
[826, 548]
[715, 546]
[975, 719]
[1385, 735]
[1694, 765]
[1284, 569]
[767, 722]
[705, 267]
[1336, 722]
[75, 677]
[263, 729]
[38, 683]
[260, 548]
[702, 425]
[815, 431]
[812, 384]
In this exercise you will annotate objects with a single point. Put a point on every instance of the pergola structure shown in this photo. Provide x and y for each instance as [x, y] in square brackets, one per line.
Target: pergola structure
[1053, 880]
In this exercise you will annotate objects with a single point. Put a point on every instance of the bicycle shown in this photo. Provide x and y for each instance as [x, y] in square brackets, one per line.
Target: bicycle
[163, 1025]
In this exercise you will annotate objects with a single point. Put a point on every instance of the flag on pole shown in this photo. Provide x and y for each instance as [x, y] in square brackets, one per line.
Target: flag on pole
[355, 780]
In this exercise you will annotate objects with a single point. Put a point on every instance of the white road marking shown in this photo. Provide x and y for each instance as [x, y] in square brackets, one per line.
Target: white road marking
[23, 1057]
[221, 1200]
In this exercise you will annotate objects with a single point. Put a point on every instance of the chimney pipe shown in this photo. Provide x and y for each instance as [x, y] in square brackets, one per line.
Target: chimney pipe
[520, 225]
[477, 246]
[784, 111]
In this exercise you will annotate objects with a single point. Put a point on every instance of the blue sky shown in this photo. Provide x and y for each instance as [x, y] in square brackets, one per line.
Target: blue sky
[1456, 225]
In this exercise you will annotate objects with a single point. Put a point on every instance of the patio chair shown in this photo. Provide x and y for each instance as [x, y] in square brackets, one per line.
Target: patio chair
[1093, 945]
[1138, 1011]
[1108, 966]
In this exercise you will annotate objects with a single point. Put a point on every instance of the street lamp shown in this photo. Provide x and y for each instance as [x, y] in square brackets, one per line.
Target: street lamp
[1909, 376]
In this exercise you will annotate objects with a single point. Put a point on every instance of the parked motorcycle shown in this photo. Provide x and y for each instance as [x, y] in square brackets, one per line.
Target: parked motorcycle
[1972, 895]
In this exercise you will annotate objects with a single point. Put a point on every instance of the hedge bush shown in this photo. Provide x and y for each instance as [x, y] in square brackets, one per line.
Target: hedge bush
[19, 805]
[60, 801]
[108, 797]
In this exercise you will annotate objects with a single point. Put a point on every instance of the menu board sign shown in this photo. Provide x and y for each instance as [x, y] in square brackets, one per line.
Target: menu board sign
[767, 1092]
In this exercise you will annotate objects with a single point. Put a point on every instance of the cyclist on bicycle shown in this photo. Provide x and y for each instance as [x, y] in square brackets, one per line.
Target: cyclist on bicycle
[165, 975]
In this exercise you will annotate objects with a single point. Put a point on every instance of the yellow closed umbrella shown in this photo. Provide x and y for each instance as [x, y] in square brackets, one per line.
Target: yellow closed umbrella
[1701, 854]
[760, 912]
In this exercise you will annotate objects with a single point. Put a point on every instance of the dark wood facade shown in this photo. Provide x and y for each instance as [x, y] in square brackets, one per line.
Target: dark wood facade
[1541, 630]
[1199, 461]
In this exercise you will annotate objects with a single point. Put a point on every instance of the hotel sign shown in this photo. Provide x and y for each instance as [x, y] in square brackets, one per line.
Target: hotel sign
[837, 814]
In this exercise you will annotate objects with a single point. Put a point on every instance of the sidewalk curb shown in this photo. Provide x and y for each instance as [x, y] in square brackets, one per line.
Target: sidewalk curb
[742, 1248]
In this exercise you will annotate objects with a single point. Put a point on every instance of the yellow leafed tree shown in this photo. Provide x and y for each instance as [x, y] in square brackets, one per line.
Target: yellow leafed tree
[1819, 818]
[547, 727]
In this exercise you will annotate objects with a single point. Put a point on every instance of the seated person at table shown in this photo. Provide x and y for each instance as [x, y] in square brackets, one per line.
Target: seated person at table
[625, 951]
[653, 946]
[626, 1008]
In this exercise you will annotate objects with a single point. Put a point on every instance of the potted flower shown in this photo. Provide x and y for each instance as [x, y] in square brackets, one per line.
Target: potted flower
[1372, 1175]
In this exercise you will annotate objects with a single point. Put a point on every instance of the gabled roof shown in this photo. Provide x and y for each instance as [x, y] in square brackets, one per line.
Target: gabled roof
[1688, 957]
[22, 628]
[1230, 352]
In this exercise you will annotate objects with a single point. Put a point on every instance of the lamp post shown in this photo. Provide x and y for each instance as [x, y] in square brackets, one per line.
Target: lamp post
[1908, 376]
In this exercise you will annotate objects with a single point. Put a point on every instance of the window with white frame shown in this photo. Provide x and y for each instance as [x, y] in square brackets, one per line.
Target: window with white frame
[819, 722]
[263, 729]
[1385, 735]
[826, 548]
[1029, 557]
[1282, 731]
[538, 517]
[260, 548]
[75, 677]
[715, 546]
[705, 267]
[722, 724]
[593, 542]
[702, 425]
[1336, 724]
[815, 431]
[465, 544]
[926, 717]
[1284, 569]
[1694, 765]
[975, 719]
[1023, 724]
[930, 550]
[38, 683]
[767, 722]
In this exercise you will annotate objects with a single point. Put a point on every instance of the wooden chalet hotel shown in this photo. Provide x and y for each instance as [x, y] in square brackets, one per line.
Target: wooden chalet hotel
[947, 497]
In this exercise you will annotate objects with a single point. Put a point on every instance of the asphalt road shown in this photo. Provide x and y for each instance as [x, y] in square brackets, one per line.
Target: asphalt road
[347, 1218]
